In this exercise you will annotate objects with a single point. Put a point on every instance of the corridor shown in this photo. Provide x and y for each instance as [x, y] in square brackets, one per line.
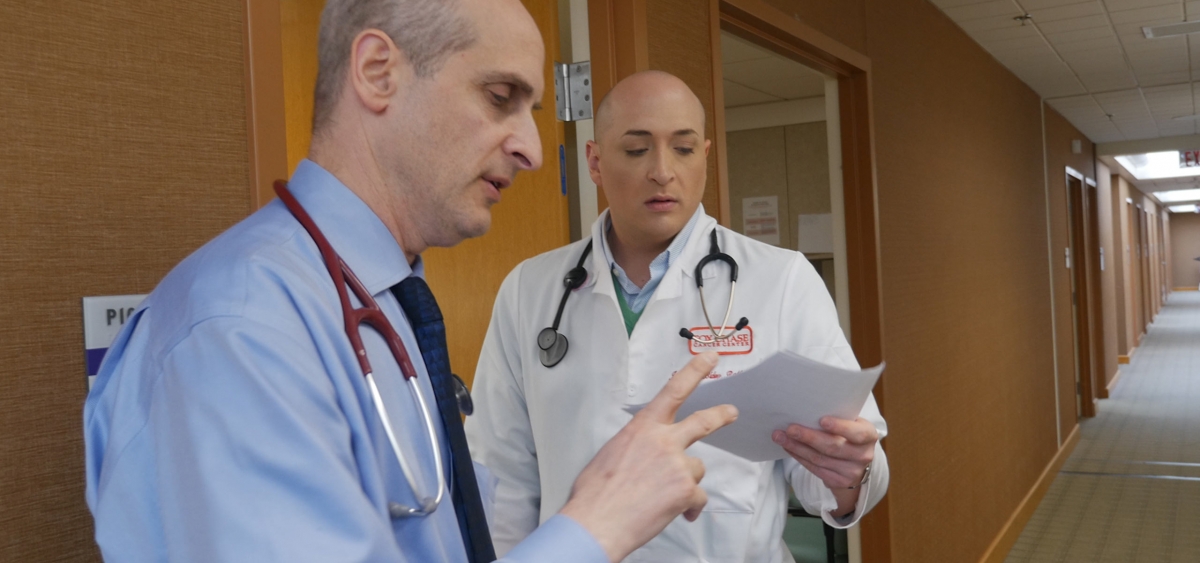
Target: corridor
[1131, 489]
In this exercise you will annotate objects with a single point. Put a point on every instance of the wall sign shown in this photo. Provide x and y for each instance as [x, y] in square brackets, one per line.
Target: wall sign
[760, 218]
[1189, 159]
[103, 318]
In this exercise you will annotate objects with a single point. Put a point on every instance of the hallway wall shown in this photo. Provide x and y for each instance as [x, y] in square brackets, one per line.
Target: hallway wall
[1059, 135]
[124, 149]
[968, 334]
[1185, 248]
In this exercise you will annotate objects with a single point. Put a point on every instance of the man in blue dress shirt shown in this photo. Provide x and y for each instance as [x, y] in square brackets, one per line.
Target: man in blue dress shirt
[230, 420]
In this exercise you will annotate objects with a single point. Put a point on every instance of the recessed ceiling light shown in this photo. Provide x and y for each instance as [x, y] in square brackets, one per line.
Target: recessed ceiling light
[1175, 196]
[1190, 208]
[1156, 165]
[1171, 29]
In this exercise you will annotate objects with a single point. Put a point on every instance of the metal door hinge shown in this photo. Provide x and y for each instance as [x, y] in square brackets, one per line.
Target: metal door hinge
[573, 90]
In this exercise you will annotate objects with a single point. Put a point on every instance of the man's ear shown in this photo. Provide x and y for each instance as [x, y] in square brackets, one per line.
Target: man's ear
[376, 68]
[593, 162]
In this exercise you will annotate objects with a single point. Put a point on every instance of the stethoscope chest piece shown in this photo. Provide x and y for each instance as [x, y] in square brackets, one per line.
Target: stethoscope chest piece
[552, 346]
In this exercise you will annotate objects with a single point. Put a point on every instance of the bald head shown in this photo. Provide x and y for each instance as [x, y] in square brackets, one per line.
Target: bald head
[644, 94]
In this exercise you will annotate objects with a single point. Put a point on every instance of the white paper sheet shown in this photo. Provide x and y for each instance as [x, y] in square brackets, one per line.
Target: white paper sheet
[784, 389]
[814, 233]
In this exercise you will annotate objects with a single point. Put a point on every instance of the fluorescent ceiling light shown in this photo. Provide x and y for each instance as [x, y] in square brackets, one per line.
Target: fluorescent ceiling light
[1171, 29]
[1178, 195]
[1190, 208]
[1156, 165]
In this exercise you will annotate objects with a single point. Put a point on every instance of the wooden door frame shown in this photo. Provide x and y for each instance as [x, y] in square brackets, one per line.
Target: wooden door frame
[1081, 290]
[1144, 269]
[619, 47]
[1091, 208]
[265, 119]
[768, 27]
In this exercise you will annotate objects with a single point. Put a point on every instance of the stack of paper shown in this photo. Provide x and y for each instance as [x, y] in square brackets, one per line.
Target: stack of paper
[784, 389]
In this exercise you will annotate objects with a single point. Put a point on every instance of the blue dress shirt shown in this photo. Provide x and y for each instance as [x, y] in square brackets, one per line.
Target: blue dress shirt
[230, 420]
[638, 297]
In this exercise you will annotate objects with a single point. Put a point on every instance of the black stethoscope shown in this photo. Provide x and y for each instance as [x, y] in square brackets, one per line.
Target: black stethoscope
[553, 344]
[371, 315]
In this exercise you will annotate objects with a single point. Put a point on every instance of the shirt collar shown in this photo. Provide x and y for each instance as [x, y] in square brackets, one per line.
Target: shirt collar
[660, 264]
[354, 231]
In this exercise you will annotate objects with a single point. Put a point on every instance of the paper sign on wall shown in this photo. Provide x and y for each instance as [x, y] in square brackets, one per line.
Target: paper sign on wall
[760, 218]
[815, 233]
[103, 318]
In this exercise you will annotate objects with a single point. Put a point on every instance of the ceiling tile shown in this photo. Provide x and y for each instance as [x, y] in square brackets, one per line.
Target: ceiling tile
[1033, 5]
[985, 24]
[1097, 82]
[738, 95]
[1164, 78]
[1069, 11]
[1192, 9]
[1072, 102]
[1089, 45]
[1151, 15]
[1085, 22]
[1121, 5]
[1026, 32]
[1079, 35]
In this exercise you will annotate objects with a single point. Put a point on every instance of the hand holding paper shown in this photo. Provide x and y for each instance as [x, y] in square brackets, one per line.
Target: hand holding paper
[784, 390]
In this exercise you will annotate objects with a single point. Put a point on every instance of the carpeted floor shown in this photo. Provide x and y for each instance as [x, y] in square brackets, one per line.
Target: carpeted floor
[1130, 492]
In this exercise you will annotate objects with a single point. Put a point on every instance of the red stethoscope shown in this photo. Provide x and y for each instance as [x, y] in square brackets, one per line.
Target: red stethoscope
[371, 315]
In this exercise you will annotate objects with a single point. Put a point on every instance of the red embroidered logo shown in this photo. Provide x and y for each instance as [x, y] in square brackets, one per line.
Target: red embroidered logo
[741, 342]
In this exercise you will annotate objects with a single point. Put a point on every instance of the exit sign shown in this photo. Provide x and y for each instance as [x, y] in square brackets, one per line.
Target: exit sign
[1189, 159]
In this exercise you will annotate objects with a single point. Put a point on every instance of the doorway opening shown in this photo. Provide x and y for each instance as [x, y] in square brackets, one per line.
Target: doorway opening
[784, 181]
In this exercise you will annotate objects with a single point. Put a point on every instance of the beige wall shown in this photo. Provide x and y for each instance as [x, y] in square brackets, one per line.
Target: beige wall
[124, 149]
[790, 162]
[1059, 136]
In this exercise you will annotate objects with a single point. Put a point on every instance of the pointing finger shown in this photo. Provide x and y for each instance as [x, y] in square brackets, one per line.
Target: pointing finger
[664, 405]
[702, 423]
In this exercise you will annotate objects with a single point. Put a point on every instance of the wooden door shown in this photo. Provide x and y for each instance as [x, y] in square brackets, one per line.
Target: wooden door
[1080, 302]
[532, 218]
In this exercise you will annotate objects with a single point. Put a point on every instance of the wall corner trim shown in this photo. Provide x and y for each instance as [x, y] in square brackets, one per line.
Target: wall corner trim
[998, 550]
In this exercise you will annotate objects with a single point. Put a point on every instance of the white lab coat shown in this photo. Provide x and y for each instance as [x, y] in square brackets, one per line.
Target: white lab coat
[536, 428]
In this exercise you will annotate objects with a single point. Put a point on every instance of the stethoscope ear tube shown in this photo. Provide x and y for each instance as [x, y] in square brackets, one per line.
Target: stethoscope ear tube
[714, 253]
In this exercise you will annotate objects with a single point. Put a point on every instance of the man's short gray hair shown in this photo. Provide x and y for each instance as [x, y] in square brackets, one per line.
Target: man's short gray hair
[427, 31]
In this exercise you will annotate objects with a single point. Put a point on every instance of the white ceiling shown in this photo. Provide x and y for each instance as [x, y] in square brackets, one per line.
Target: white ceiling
[1092, 63]
[754, 75]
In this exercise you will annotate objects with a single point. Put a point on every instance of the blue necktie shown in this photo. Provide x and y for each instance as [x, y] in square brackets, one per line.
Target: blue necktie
[426, 319]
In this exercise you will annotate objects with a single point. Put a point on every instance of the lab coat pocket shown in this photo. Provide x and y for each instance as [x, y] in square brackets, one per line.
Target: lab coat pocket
[487, 490]
[722, 531]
